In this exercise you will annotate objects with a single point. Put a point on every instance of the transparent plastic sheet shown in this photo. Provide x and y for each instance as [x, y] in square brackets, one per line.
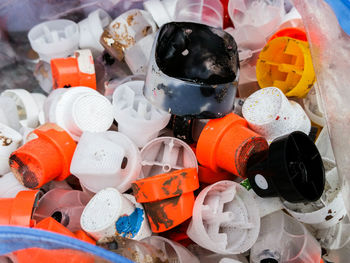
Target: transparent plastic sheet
[330, 48]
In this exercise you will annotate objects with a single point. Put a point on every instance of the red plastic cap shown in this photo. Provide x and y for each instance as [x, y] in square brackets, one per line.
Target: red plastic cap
[44, 158]
[292, 32]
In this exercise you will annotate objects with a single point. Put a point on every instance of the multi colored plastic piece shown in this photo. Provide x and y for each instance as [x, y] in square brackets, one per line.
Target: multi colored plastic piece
[229, 144]
[286, 63]
[46, 156]
[77, 70]
[168, 198]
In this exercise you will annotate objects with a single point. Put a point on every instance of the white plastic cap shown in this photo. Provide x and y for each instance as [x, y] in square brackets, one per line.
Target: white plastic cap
[8, 113]
[271, 115]
[103, 211]
[225, 219]
[312, 107]
[27, 106]
[164, 155]
[173, 251]
[327, 211]
[106, 159]
[10, 186]
[265, 15]
[54, 39]
[9, 141]
[209, 12]
[137, 56]
[79, 109]
[91, 29]
[131, 26]
[136, 116]
[158, 10]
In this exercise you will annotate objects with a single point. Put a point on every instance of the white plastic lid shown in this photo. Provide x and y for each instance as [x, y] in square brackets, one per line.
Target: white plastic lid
[10, 186]
[9, 141]
[137, 56]
[164, 155]
[265, 15]
[225, 219]
[173, 251]
[106, 159]
[103, 210]
[54, 39]
[136, 116]
[270, 114]
[158, 10]
[8, 113]
[80, 109]
[209, 12]
[27, 107]
[91, 29]
[131, 26]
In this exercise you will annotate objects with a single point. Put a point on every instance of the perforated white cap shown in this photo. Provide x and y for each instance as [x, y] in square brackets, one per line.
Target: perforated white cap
[54, 39]
[106, 159]
[80, 109]
[103, 210]
[27, 106]
[91, 29]
[9, 142]
[164, 155]
[173, 251]
[10, 186]
[136, 116]
[225, 219]
[270, 114]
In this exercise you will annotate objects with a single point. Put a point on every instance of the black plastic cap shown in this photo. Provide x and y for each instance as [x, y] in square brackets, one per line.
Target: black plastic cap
[294, 170]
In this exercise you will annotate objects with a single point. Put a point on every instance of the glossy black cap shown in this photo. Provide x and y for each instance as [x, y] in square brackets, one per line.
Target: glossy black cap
[293, 170]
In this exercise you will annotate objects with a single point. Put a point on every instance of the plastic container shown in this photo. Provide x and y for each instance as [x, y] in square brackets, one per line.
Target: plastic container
[225, 219]
[79, 109]
[47, 156]
[270, 114]
[209, 12]
[54, 39]
[91, 29]
[77, 70]
[229, 144]
[290, 64]
[106, 159]
[137, 117]
[283, 239]
[184, 81]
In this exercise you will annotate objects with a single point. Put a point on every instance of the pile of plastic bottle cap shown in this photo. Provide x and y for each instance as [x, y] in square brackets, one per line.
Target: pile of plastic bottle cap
[212, 148]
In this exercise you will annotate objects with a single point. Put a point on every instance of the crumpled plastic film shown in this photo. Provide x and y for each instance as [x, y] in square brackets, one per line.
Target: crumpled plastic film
[330, 50]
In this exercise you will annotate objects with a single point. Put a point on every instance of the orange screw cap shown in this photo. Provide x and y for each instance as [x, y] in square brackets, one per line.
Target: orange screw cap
[45, 157]
[78, 70]
[227, 143]
[18, 211]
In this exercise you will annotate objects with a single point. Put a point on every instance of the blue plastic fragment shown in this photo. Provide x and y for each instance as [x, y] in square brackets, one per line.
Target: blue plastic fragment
[341, 9]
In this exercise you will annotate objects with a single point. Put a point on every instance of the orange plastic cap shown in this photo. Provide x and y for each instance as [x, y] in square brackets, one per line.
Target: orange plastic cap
[50, 224]
[169, 213]
[74, 71]
[227, 143]
[166, 185]
[208, 176]
[292, 32]
[45, 157]
[80, 234]
[18, 211]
